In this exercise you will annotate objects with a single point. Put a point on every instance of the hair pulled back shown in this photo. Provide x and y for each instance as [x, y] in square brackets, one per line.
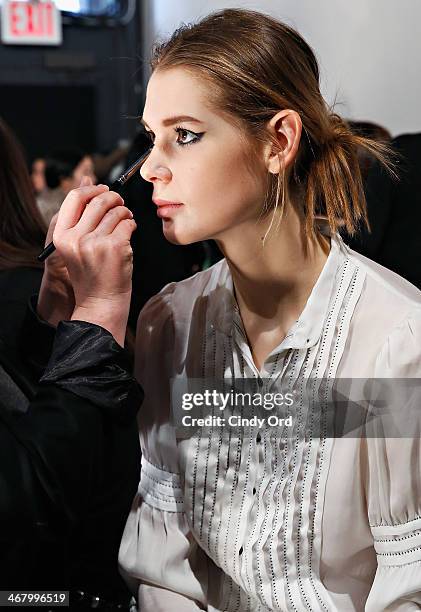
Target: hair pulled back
[257, 66]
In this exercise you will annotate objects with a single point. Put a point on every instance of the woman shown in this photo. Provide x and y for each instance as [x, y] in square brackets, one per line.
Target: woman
[38, 175]
[22, 235]
[247, 153]
[64, 170]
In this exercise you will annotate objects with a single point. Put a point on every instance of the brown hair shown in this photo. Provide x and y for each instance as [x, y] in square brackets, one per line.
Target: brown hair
[258, 66]
[22, 229]
[376, 132]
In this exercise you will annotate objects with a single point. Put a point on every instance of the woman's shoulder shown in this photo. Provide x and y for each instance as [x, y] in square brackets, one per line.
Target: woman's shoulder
[391, 296]
[176, 297]
[387, 319]
[178, 301]
[204, 282]
[165, 325]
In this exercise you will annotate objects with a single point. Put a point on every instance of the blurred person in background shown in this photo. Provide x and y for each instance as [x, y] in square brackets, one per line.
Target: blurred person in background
[38, 175]
[393, 205]
[365, 239]
[108, 166]
[63, 172]
[22, 235]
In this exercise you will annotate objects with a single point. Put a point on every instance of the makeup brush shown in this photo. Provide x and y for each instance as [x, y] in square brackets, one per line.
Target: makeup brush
[117, 186]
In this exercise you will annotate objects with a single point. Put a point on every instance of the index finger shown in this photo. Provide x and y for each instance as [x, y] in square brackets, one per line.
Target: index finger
[74, 204]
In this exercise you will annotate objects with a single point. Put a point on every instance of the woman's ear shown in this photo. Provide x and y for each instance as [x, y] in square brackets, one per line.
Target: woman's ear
[286, 128]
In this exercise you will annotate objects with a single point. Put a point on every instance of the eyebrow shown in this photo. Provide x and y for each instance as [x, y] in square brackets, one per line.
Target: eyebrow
[172, 120]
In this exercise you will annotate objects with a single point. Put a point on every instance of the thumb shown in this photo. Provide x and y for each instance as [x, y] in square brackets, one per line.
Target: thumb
[85, 182]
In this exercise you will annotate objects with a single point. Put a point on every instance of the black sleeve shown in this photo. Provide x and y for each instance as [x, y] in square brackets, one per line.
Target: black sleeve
[88, 361]
[35, 342]
[47, 436]
[46, 471]
[86, 380]
[52, 456]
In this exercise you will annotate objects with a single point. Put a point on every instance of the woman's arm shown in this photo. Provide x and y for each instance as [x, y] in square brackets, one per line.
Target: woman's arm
[160, 559]
[52, 455]
[394, 472]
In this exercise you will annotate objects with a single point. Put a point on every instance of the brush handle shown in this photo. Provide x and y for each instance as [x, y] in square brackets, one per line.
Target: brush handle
[50, 248]
[116, 186]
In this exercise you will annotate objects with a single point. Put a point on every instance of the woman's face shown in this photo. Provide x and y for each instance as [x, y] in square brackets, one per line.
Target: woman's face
[200, 162]
[38, 175]
[84, 168]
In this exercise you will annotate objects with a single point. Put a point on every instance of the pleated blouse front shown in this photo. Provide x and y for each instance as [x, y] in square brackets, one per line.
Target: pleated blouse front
[269, 521]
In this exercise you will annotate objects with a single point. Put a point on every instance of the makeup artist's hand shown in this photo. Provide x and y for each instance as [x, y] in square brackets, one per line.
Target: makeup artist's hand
[56, 300]
[92, 235]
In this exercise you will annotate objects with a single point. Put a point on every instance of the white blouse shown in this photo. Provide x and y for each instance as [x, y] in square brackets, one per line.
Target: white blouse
[261, 522]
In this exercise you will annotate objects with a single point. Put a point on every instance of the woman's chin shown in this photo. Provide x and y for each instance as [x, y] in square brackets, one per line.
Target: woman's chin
[176, 234]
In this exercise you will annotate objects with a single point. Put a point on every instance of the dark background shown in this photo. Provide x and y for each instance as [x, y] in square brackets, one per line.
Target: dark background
[81, 93]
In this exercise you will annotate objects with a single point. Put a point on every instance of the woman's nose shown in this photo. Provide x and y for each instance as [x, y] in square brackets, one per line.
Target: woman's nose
[153, 171]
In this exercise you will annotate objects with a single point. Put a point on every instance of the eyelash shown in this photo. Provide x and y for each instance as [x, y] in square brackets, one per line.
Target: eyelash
[178, 129]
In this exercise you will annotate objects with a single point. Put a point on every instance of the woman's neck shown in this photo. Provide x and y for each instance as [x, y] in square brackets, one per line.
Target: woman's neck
[273, 282]
[281, 271]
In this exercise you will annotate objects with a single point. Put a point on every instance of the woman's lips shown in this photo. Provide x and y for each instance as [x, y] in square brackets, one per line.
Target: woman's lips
[165, 208]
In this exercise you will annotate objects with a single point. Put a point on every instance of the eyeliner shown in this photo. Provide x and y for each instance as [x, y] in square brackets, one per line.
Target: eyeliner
[117, 186]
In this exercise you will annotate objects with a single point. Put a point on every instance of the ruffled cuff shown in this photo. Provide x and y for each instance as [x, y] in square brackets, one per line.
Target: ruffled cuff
[158, 547]
[397, 584]
[87, 361]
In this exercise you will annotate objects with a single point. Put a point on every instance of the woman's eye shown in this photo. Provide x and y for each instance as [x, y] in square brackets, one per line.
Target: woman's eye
[186, 137]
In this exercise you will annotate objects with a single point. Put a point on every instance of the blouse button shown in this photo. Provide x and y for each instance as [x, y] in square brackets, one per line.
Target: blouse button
[258, 438]
[240, 552]
[254, 490]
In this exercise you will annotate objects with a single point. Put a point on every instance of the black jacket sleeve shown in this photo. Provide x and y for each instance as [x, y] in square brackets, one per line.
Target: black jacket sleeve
[77, 436]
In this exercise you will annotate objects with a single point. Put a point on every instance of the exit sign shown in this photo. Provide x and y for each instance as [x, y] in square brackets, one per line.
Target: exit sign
[30, 23]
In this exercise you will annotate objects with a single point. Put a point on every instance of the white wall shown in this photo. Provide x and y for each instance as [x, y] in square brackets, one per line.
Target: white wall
[369, 50]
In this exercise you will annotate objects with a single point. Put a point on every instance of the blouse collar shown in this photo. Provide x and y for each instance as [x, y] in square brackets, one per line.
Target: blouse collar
[306, 331]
